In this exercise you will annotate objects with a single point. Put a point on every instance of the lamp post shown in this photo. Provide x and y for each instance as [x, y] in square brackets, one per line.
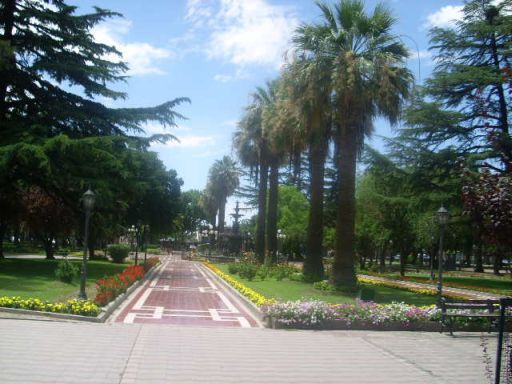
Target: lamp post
[88, 204]
[145, 240]
[280, 238]
[137, 243]
[442, 219]
[432, 274]
[132, 231]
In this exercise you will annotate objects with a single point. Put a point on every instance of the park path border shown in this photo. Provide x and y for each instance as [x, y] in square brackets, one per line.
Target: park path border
[101, 318]
[249, 305]
[471, 294]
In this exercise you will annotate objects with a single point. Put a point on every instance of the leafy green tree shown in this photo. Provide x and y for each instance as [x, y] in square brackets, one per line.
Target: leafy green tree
[293, 219]
[191, 209]
[155, 192]
[373, 238]
[47, 217]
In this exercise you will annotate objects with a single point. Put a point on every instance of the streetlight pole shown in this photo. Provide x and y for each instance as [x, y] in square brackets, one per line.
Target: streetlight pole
[442, 218]
[432, 274]
[137, 241]
[146, 231]
[88, 203]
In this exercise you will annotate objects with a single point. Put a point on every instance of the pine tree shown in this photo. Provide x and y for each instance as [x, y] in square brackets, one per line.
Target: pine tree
[54, 134]
[45, 49]
[472, 80]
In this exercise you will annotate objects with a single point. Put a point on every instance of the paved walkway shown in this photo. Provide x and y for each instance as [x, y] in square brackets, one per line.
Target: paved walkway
[185, 293]
[63, 352]
[478, 295]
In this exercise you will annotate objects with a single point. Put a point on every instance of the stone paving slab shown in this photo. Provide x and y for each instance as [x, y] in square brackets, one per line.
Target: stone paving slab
[53, 352]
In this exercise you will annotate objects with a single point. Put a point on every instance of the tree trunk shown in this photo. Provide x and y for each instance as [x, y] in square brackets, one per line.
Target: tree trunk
[343, 271]
[497, 261]
[273, 191]
[8, 28]
[504, 146]
[2, 233]
[382, 261]
[313, 264]
[403, 259]
[297, 176]
[259, 241]
[478, 255]
[49, 249]
[222, 215]
[487, 258]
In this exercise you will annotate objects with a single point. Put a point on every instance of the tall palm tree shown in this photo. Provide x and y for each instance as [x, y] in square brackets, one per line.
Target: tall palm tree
[209, 204]
[251, 148]
[278, 123]
[369, 79]
[309, 80]
[252, 145]
[223, 179]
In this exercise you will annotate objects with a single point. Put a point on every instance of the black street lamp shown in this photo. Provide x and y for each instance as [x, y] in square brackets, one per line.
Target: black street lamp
[145, 241]
[137, 242]
[280, 239]
[88, 199]
[442, 219]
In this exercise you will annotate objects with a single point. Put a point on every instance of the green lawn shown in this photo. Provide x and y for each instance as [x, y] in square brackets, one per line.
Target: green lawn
[484, 282]
[295, 290]
[36, 278]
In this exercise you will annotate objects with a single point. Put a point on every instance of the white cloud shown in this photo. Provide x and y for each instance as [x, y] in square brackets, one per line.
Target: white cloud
[225, 78]
[192, 141]
[243, 32]
[139, 56]
[445, 17]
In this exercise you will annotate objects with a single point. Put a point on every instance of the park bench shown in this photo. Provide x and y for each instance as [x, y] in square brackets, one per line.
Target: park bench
[451, 309]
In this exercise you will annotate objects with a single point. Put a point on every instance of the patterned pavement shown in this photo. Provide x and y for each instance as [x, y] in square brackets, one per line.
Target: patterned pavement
[185, 293]
[37, 352]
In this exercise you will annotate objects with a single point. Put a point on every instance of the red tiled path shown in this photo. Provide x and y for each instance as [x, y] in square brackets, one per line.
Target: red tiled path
[185, 292]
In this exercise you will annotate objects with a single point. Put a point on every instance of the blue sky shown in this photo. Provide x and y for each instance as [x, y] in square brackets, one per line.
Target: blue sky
[216, 52]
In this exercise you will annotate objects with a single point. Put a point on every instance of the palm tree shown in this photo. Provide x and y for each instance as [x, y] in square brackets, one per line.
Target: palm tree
[223, 181]
[250, 146]
[369, 79]
[209, 204]
[278, 123]
[309, 78]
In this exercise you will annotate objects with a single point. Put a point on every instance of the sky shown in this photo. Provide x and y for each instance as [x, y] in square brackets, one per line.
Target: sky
[216, 52]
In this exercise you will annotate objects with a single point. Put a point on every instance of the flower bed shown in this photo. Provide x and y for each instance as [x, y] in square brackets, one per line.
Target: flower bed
[111, 287]
[74, 307]
[252, 295]
[108, 289]
[316, 314]
[308, 313]
[397, 285]
[452, 284]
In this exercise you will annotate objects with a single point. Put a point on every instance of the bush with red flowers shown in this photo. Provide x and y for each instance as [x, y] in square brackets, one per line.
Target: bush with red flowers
[109, 288]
